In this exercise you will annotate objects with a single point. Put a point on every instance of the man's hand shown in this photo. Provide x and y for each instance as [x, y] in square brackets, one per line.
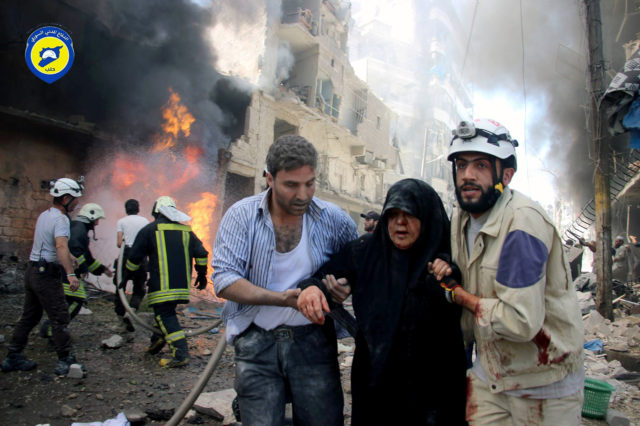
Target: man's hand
[312, 304]
[291, 298]
[439, 268]
[201, 282]
[74, 261]
[74, 284]
[108, 272]
[338, 288]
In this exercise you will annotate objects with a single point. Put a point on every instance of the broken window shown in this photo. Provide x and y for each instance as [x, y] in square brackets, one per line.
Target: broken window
[282, 127]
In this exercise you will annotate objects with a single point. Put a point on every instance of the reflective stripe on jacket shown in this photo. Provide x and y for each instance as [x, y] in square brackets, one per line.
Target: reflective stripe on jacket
[80, 293]
[171, 248]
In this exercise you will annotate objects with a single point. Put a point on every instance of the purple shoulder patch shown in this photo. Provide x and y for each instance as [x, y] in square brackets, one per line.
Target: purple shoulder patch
[522, 260]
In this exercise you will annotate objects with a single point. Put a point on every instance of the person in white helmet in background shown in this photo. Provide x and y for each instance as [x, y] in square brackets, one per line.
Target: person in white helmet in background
[170, 246]
[86, 220]
[49, 261]
[519, 302]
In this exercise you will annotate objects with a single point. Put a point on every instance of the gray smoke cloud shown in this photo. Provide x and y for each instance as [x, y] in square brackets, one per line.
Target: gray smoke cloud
[535, 55]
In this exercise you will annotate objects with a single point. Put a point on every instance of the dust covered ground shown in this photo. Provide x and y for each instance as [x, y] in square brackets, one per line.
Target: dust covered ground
[117, 379]
[127, 378]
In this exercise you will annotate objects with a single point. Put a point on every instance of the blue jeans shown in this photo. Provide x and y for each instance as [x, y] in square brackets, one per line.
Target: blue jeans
[297, 364]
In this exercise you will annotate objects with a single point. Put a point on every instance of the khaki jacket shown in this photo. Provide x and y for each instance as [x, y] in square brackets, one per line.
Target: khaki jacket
[528, 325]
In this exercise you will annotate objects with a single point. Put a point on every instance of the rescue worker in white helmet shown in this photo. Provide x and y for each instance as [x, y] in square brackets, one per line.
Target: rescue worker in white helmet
[519, 303]
[169, 246]
[49, 262]
[85, 221]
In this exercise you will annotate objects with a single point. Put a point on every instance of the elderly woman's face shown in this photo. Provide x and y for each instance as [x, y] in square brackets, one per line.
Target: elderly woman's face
[404, 229]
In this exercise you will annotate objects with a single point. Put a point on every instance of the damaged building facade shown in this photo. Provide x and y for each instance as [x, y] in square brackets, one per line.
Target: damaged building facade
[107, 119]
[318, 97]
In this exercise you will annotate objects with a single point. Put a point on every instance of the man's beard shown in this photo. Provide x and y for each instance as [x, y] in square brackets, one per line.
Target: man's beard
[482, 204]
[370, 228]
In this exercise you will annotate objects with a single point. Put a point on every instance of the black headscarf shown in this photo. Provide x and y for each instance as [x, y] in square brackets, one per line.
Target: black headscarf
[387, 273]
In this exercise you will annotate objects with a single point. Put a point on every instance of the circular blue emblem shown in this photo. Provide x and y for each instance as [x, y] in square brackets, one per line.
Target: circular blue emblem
[49, 53]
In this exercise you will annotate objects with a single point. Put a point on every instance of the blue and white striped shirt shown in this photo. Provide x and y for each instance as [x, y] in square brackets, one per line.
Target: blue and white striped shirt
[246, 241]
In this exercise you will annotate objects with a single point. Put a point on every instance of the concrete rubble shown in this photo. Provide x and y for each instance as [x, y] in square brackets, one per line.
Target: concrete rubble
[76, 372]
[618, 361]
[114, 342]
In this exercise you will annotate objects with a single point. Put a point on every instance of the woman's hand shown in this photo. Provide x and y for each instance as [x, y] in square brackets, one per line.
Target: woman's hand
[439, 268]
[312, 304]
[339, 288]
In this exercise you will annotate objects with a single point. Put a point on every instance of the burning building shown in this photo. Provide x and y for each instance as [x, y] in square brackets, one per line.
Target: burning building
[184, 98]
[135, 115]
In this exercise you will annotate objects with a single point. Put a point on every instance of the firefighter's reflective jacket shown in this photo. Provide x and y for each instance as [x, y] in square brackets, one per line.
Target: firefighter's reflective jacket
[171, 247]
[79, 247]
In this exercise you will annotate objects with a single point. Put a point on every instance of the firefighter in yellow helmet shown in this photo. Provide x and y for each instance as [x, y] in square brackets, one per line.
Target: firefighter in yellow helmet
[171, 248]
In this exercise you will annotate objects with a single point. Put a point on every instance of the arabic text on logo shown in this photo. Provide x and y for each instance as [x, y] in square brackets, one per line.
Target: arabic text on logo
[49, 53]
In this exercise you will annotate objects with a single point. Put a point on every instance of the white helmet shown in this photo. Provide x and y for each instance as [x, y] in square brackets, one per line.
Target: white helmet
[92, 211]
[65, 186]
[163, 200]
[483, 135]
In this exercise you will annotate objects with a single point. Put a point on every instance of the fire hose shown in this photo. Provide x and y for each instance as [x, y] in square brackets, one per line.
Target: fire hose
[140, 321]
[211, 365]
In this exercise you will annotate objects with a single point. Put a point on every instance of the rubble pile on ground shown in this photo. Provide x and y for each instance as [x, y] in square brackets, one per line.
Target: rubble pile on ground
[612, 350]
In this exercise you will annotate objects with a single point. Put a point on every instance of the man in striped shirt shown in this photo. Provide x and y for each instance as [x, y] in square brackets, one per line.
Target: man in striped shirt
[265, 245]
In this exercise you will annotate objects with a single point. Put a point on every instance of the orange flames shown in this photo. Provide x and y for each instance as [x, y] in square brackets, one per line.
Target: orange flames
[177, 119]
[201, 214]
[163, 172]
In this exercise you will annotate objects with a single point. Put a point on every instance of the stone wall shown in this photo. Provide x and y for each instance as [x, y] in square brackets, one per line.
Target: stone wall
[30, 156]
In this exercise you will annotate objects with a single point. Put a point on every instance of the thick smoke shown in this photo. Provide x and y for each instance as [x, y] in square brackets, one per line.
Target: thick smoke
[548, 37]
[129, 57]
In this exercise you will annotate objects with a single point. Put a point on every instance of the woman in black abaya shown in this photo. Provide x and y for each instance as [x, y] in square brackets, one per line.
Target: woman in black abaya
[409, 364]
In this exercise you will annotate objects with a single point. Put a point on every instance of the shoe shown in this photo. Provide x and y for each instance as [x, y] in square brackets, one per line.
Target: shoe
[17, 362]
[63, 364]
[173, 362]
[157, 343]
[45, 329]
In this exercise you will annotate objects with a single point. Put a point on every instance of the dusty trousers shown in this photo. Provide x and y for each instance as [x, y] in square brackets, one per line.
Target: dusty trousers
[486, 408]
[43, 292]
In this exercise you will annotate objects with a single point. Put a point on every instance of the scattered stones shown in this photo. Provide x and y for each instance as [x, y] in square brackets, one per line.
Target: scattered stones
[99, 397]
[76, 372]
[1, 338]
[135, 415]
[85, 311]
[217, 405]
[114, 342]
[617, 418]
[67, 411]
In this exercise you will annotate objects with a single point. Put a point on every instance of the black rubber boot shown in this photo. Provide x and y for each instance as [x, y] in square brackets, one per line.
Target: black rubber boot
[63, 364]
[16, 361]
